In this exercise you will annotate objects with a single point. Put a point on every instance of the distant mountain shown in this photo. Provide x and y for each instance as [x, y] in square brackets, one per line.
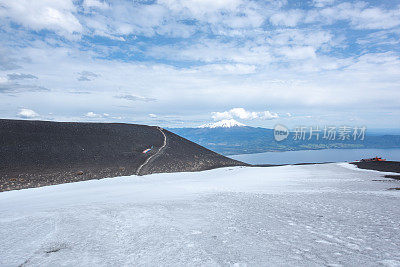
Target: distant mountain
[223, 124]
[230, 141]
[235, 138]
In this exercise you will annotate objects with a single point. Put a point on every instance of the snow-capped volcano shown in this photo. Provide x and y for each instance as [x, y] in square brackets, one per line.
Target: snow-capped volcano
[223, 124]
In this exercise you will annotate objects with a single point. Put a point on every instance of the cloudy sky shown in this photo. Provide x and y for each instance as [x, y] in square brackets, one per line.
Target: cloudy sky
[188, 62]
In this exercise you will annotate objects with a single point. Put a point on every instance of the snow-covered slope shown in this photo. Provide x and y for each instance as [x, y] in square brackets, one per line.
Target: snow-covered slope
[278, 216]
[223, 124]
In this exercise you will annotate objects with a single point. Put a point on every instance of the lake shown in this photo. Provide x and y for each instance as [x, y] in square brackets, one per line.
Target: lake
[317, 156]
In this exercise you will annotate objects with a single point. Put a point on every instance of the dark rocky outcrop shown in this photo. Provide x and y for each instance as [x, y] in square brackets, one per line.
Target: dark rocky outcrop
[383, 166]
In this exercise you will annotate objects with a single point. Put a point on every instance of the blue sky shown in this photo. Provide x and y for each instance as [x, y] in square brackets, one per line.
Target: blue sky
[187, 62]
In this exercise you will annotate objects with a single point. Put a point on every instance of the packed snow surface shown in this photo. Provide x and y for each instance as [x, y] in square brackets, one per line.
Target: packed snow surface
[329, 214]
[223, 124]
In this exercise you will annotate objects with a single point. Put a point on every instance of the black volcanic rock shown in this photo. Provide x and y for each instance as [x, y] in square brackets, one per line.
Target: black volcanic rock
[383, 166]
[38, 153]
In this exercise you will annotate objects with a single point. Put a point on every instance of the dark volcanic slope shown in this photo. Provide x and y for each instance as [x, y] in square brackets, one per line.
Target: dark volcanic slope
[178, 157]
[383, 166]
[37, 153]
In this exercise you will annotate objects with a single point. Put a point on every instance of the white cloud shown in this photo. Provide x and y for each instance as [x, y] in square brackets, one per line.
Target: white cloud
[221, 115]
[289, 18]
[86, 76]
[322, 3]
[87, 4]
[302, 52]
[173, 18]
[91, 114]
[3, 80]
[301, 37]
[359, 15]
[201, 8]
[215, 51]
[118, 21]
[267, 115]
[99, 116]
[54, 15]
[132, 97]
[219, 14]
[243, 114]
[233, 69]
[244, 57]
[27, 113]
[376, 18]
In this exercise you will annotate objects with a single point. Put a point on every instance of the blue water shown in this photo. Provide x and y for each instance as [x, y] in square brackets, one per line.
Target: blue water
[317, 156]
